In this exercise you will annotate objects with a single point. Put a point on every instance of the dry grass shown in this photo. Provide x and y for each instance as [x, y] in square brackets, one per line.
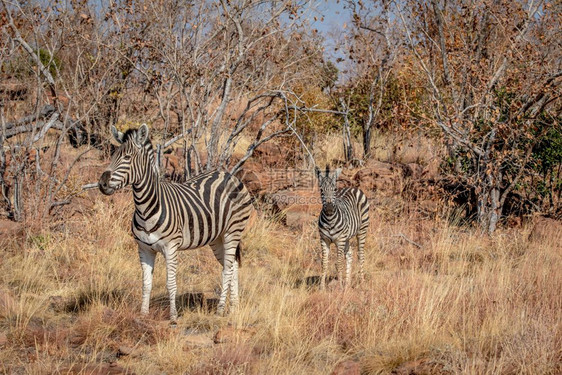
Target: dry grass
[386, 147]
[462, 303]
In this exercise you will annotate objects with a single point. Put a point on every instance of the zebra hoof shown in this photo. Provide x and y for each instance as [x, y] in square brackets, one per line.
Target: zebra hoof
[173, 323]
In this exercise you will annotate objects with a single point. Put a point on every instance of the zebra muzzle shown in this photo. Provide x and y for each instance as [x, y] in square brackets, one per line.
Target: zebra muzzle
[103, 184]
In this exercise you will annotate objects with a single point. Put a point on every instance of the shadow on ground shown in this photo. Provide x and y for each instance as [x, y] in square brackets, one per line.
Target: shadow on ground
[313, 281]
[85, 299]
[195, 301]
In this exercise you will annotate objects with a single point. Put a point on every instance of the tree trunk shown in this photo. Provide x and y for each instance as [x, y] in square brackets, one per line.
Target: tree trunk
[18, 201]
[367, 134]
[346, 136]
[187, 173]
[212, 149]
[490, 203]
[3, 186]
[495, 210]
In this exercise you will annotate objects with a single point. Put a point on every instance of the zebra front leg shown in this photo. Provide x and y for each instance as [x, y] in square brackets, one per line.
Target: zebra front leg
[339, 261]
[343, 248]
[225, 252]
[171, 284]
[147, 259]
[325, 255]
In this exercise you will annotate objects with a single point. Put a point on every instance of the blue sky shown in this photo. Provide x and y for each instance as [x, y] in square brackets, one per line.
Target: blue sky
[336, 18]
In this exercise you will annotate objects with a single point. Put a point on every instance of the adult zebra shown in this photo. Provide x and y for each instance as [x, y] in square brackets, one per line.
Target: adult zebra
[212, 208]
[345, 214]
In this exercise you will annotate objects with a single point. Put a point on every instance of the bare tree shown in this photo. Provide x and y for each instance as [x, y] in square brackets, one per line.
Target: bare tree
[374, 49]
[202, 75]
[492, 70]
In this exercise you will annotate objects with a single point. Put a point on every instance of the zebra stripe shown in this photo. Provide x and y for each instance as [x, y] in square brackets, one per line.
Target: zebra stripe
[345, 214]
[209, 209]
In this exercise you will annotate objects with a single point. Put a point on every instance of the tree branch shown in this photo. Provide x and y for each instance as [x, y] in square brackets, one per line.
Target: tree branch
[18, 38]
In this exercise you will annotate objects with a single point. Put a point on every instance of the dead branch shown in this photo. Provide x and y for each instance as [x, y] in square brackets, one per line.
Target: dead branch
[18, 38]
[33, 127]
[173, 140]
[305, 109]
[257, 142]
[67, 174]
[405, 238]
[93, 185]
[46, 111]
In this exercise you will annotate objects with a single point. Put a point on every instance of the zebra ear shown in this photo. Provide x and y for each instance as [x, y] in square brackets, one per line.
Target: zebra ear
[317, 172]
[117, 134]
[337, 173]
[142, 134]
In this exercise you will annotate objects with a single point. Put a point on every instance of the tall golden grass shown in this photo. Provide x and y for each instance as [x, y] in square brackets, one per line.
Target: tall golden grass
[462, 303]
[385, 147]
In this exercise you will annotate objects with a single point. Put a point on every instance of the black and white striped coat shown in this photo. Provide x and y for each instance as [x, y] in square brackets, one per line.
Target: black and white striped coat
[344, 215]
[210, 209]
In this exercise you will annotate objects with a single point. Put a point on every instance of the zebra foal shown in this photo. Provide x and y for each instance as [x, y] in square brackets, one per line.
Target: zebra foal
[209, 209]
[344, 215]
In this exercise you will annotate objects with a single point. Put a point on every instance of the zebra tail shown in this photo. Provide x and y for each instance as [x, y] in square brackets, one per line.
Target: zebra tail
[238, 255]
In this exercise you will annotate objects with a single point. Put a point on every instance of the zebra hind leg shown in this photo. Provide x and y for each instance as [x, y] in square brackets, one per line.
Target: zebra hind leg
[225, 252]
[361, 253]
[234, 299]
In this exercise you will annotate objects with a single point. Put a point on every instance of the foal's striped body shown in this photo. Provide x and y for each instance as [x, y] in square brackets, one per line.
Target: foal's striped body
[344, 215]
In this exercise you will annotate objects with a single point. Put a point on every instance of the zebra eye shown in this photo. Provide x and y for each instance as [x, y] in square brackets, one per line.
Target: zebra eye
[127, 157]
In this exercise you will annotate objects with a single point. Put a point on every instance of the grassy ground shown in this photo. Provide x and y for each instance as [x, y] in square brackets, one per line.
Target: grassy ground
[462, 303]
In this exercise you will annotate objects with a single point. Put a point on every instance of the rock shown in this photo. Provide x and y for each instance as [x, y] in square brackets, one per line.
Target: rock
[383, 177]
[298, 208]
[347, 368]
[298, 200]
